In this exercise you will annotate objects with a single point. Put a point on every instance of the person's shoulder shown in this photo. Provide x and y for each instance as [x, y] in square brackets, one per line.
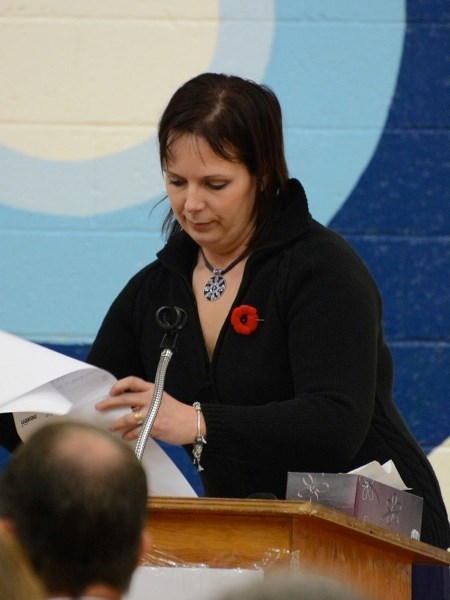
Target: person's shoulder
[324, 244]
[299, 231]
[145, 274]
[143, 280]
[324, 253]
[324, 235]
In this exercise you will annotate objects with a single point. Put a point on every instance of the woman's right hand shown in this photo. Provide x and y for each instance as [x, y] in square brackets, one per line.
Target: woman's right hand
[175, 422]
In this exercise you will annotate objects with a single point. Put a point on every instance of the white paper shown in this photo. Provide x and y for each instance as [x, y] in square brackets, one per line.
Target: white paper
[183, 583]
[386, 473]
[25, 366]
[39, 385]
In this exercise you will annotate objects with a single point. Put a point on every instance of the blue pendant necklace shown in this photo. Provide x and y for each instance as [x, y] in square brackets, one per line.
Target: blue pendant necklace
[216, 284]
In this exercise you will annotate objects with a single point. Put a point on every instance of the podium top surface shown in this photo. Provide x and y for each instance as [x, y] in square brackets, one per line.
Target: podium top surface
[302, 512]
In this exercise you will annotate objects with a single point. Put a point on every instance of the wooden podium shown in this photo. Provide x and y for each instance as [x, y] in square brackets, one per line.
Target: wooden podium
[270, 534]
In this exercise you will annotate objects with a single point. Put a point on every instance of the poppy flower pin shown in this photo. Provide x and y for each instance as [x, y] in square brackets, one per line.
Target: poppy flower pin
[245, 319]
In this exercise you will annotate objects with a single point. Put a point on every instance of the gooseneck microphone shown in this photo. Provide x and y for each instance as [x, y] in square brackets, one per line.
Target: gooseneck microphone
[171, 320]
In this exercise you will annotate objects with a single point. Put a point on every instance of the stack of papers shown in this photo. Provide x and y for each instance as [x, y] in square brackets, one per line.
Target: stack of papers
[39, 385]
[386, 473]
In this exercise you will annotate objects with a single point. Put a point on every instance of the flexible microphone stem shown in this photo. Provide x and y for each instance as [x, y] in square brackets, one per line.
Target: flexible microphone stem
[164, 360]
[171, 320]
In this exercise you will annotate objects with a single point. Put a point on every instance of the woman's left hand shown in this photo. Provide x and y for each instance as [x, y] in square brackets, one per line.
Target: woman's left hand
[175, 422]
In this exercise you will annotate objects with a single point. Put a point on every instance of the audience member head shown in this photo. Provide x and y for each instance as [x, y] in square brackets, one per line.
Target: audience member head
[75, 497]
[293, 586]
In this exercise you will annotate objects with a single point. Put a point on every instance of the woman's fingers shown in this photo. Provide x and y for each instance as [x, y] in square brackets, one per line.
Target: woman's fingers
[175, 423]
[130, 384]
[127, 399]
[132, 434]
[131, 421]
[131, 393]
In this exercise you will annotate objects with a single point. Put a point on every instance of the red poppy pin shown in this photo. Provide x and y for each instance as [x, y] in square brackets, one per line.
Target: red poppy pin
[245, 319]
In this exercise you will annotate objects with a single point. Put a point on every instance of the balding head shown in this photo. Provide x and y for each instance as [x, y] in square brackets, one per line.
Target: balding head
[86, 448]
[77, 499]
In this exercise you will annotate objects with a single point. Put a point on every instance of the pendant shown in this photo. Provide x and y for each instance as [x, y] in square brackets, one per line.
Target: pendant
[214, 288]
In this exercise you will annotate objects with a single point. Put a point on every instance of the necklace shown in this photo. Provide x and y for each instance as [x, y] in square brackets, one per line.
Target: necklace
[216, 284]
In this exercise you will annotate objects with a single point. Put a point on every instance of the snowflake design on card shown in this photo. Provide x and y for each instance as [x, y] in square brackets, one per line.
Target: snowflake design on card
[393, 509]
[368, 489]
[314, 487]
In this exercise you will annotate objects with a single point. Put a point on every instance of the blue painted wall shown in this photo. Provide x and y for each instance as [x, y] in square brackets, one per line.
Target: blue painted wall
[398, 218]
[365, 91]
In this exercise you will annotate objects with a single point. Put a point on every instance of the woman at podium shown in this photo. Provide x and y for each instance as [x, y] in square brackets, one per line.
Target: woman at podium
[282, 364]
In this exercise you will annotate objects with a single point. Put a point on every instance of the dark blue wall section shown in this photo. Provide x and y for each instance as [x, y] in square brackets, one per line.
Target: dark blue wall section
[4, 455]
[413, 274]
[429, 10]
[78, 351]
[422, 382]
[398, 219]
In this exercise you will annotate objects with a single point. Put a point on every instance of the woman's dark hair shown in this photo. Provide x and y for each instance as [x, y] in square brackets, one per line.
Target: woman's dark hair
[240, 120]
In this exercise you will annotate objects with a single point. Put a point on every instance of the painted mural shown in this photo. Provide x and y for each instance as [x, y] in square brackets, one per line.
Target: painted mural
[364, 89]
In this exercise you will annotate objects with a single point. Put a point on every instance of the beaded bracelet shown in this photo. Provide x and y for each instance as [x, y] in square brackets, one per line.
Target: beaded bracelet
[199, 439]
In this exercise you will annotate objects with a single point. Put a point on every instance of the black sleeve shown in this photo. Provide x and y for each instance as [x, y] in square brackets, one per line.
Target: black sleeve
[115, 347]
[9, 437]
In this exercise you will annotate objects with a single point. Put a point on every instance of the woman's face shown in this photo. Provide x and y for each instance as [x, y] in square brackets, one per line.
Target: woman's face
[212, 198]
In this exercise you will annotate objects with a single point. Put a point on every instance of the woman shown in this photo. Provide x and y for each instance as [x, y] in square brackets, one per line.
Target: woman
[282, 364]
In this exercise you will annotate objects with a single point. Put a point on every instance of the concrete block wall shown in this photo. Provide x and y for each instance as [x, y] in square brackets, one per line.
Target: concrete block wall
[364, 88]
[398, 218]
